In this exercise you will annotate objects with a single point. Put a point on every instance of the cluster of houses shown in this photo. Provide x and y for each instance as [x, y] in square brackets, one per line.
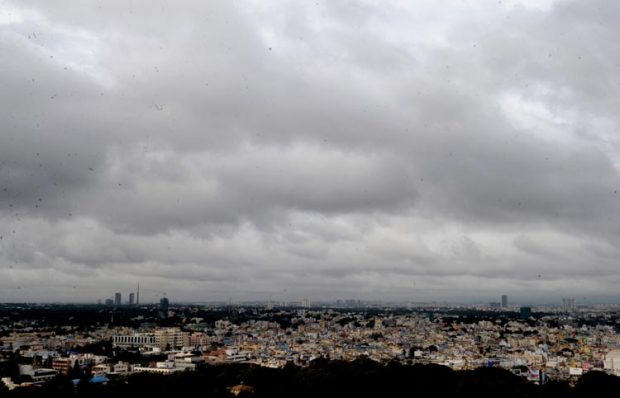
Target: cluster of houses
[542, 350]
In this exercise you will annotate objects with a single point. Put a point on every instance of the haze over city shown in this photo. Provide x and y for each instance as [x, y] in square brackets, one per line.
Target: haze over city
[320, 150]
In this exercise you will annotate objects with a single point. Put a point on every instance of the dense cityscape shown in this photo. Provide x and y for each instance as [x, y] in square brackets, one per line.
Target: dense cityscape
[111, 341]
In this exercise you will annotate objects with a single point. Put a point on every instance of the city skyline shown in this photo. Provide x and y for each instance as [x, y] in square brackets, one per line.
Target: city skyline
[376, 151]
[567, 304]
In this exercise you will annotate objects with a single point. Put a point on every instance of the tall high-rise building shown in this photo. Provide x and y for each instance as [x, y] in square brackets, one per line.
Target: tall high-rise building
[504, 301]
[117, 298]
[525, 312]
[163, 307]
[131, 298]
[568, 304]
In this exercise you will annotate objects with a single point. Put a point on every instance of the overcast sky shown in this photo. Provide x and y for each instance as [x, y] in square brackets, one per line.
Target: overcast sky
[324, 150]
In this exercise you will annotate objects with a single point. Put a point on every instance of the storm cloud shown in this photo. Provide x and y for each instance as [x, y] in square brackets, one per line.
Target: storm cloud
[320, 150]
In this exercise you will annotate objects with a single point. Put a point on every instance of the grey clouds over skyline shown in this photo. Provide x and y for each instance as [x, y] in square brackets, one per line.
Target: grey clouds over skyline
[321, 150]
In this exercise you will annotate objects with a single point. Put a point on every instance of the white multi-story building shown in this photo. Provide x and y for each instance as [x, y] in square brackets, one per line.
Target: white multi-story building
[171, 338]
[135, 340]
[164, 371]
[38, 375]
[612, 361]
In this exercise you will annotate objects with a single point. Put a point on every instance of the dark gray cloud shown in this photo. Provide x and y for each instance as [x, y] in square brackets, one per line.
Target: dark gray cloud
[214, 150]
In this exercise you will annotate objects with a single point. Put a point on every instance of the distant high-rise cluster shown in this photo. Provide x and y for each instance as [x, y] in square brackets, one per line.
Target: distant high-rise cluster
[568, 304]
[500, 304]
[134, 299]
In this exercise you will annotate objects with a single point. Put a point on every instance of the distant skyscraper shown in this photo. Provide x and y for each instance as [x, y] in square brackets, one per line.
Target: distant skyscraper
[568, 304]
[109, 301]
[525, 312]
[504, 301]
[163, 307]
[131, 297]
[117, 298]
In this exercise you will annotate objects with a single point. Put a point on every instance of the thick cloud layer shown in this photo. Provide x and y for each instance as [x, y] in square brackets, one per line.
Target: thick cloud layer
[325, 150]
